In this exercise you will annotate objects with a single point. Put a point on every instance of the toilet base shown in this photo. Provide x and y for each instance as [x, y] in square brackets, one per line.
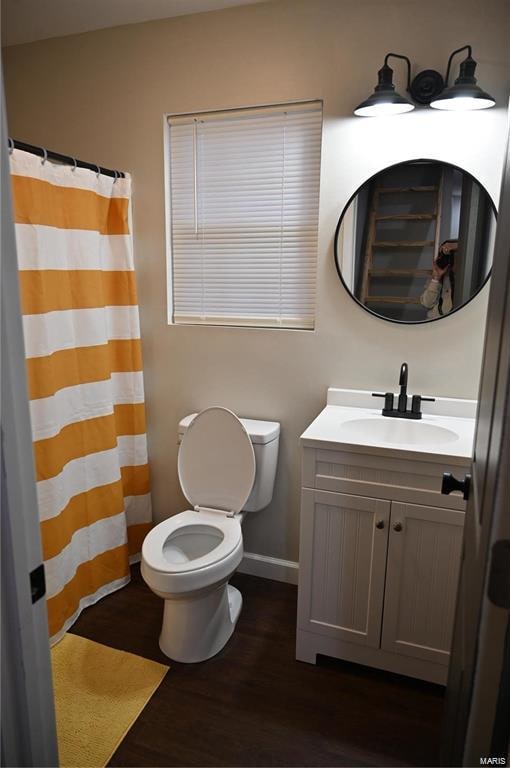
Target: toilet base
[197, 627]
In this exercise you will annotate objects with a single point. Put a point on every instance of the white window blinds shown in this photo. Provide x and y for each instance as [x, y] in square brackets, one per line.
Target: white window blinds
[244, 206]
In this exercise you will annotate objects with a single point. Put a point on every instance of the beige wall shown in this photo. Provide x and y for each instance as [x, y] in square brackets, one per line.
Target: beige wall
[101, 96]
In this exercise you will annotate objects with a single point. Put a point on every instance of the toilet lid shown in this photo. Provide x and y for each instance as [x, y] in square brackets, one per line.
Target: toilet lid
[216, 461]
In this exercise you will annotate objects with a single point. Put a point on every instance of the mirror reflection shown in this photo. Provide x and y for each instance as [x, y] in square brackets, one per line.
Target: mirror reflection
[416, 241]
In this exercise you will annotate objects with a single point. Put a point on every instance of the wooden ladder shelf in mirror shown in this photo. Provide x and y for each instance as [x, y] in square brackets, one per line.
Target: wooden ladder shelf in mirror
[373, 243]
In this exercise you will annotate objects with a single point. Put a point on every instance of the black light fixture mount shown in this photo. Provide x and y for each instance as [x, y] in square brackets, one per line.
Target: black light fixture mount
[385, 100]
[426, 85]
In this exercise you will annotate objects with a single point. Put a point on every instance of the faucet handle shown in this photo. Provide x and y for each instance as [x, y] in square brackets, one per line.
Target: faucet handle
[388, 399]
[417, 400]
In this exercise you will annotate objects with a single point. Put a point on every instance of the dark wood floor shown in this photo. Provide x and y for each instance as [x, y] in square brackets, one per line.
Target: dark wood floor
[253, 704]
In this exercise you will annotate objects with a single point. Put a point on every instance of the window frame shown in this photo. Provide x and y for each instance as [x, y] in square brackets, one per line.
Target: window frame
[167, 117]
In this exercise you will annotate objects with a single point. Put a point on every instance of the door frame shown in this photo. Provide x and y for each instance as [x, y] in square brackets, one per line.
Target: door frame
[28, 734]
[476, 718]
[489, 717]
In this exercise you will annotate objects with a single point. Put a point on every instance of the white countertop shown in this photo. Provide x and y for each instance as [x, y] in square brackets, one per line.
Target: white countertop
[334, 427]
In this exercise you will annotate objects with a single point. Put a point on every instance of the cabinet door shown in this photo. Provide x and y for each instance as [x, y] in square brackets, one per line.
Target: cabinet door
[342, 563]
[421, 581]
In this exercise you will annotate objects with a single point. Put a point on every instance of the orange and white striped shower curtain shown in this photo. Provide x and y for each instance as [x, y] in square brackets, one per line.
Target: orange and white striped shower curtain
[82, 346]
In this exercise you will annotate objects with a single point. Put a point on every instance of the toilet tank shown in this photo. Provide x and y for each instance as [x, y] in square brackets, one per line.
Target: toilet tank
[265, 436]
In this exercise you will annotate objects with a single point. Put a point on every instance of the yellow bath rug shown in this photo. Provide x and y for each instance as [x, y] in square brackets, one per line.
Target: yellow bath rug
[99, 693]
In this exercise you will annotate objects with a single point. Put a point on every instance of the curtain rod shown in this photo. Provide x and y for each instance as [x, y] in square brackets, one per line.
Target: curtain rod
[66, 159]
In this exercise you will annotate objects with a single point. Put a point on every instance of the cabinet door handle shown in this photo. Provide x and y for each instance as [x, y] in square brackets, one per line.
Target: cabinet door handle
[450, 483]
[397, 527]
[380, 524]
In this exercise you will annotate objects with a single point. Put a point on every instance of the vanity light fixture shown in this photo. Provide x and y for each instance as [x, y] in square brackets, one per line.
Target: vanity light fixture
[427, 88]
[385, 100]
[464, 93]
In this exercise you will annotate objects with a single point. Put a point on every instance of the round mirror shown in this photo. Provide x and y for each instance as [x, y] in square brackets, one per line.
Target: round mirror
[415, 242]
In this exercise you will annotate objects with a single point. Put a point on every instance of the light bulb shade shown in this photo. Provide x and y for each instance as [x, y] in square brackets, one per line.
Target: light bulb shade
[385, 100]
[464, 94]
[459, 98]
[379, 104]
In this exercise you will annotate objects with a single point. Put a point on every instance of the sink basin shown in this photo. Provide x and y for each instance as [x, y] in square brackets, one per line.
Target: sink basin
[386, 430]
[349, 422]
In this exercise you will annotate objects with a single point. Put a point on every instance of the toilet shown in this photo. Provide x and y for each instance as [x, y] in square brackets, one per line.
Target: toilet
[226, 467]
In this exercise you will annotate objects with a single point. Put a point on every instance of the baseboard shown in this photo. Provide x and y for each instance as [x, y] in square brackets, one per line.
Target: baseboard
[269, 568]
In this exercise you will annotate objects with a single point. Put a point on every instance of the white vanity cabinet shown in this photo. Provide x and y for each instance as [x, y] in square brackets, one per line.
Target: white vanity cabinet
[344, 541]
[380, 552]
[424, 553]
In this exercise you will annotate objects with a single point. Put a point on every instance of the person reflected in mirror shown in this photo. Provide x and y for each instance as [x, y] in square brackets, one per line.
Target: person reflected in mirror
[438, 295]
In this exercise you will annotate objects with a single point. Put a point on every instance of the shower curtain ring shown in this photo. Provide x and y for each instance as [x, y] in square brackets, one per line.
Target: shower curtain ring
[116, 176]
[45, 156]
[11, 145]
[98, 172]
[75, 164]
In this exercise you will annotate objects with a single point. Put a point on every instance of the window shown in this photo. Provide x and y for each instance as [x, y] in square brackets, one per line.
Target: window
[243, 216]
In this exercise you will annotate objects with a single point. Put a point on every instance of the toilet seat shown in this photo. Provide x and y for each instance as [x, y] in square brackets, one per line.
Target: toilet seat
[180, 579]
[216, 461]
[153, 548]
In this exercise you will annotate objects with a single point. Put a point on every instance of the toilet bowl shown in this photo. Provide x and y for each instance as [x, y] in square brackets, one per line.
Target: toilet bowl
[188, 559]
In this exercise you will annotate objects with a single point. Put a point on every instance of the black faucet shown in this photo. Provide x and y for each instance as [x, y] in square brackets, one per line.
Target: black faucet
[401, 412]
[402, 382]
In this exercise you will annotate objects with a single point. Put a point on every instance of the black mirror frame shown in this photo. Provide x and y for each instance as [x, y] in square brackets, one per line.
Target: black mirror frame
[337, 233]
